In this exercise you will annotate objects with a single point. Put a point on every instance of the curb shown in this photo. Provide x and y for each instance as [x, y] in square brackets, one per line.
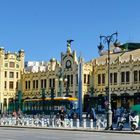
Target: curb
[78, 129]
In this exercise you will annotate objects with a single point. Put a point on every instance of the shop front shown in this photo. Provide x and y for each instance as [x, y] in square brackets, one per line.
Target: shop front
[136, 98]
[125, 101]
[114, 99]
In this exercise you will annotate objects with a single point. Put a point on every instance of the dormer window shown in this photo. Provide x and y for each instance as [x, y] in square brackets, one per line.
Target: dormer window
[12, 64]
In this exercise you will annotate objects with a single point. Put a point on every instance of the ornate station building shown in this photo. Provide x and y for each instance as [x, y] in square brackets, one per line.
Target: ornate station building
[61, 77]
[11, 69]
[124, 77]
[29, 81]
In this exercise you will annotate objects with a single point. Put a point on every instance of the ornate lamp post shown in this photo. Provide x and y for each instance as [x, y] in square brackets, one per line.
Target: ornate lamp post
[60, 86]
[60, 80]
[19, 100]
[63, 80]
[108, 39]
[52, 102]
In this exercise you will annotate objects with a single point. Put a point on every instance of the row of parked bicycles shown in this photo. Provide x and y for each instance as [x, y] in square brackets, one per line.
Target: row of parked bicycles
[54, 121]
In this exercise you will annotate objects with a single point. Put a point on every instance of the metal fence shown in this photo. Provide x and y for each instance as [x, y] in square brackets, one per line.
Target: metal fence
[45, 121]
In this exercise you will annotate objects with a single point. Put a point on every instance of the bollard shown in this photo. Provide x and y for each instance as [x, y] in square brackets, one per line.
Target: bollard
[2, 122]
[91, 123]
[45, 122]
[77, 123]
[14, 120]
[37, 122]
[31, 122]
[71, 123]
[42, 122]
[52, 122]
[6, 121]
[10, 121]
[84, 123]
[48, 122]
[59, 123]
[27, 121]
[98, 124]
[65, 123]
[24, 122]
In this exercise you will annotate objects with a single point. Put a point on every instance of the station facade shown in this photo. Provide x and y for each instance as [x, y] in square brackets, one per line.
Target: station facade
[31, 78]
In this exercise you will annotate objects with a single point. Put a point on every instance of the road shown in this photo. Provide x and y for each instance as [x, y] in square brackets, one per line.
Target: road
[45, 134]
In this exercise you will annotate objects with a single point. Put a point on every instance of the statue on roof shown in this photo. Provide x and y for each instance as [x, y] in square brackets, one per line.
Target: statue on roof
[69, 45]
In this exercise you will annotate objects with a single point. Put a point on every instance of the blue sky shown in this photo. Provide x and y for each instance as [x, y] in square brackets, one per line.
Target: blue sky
[41, 27]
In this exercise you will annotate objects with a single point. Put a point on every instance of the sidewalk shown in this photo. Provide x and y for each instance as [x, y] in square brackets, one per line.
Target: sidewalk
[124, 131]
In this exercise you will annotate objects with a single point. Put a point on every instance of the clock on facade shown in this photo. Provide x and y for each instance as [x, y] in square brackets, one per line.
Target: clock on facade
[68, 64]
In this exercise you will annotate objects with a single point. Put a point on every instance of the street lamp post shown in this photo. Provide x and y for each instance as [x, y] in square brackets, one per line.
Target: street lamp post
[52, 102]
[19, 100]
[60, 86]
[108, 40]
[60, 80]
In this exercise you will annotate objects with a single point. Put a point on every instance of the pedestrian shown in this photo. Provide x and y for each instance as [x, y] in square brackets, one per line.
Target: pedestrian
[93, 113]
[14, 114]
[88, 112]
[62, 114]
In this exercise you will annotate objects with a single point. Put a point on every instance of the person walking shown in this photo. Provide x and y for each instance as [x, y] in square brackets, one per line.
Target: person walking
[93, 113]
[62, 114]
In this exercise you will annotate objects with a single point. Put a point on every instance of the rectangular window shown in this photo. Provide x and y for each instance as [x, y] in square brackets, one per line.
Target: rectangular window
[77, 79]
[11, 85]
[16, 74]
[5, 74]
[33, 84]
[115, 78]
[53, 82]
[12, 64]
[6, 64]
[11, 74]
[71, 79]
[127, 77]
[111, 78]
[36, 84]
[16, 85]
[68, 79]
[122, 77]
[45, 83]
[139, 75]
[88, 80]
[26, 85]
[135, 76]
[84, 78]
[99, 79]
[17, 65]
[29, 84]
[42, 83]
[5, 84]
[103, 79]
[50, 83]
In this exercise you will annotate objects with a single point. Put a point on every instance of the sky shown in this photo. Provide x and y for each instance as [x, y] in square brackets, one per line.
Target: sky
[42, 27]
